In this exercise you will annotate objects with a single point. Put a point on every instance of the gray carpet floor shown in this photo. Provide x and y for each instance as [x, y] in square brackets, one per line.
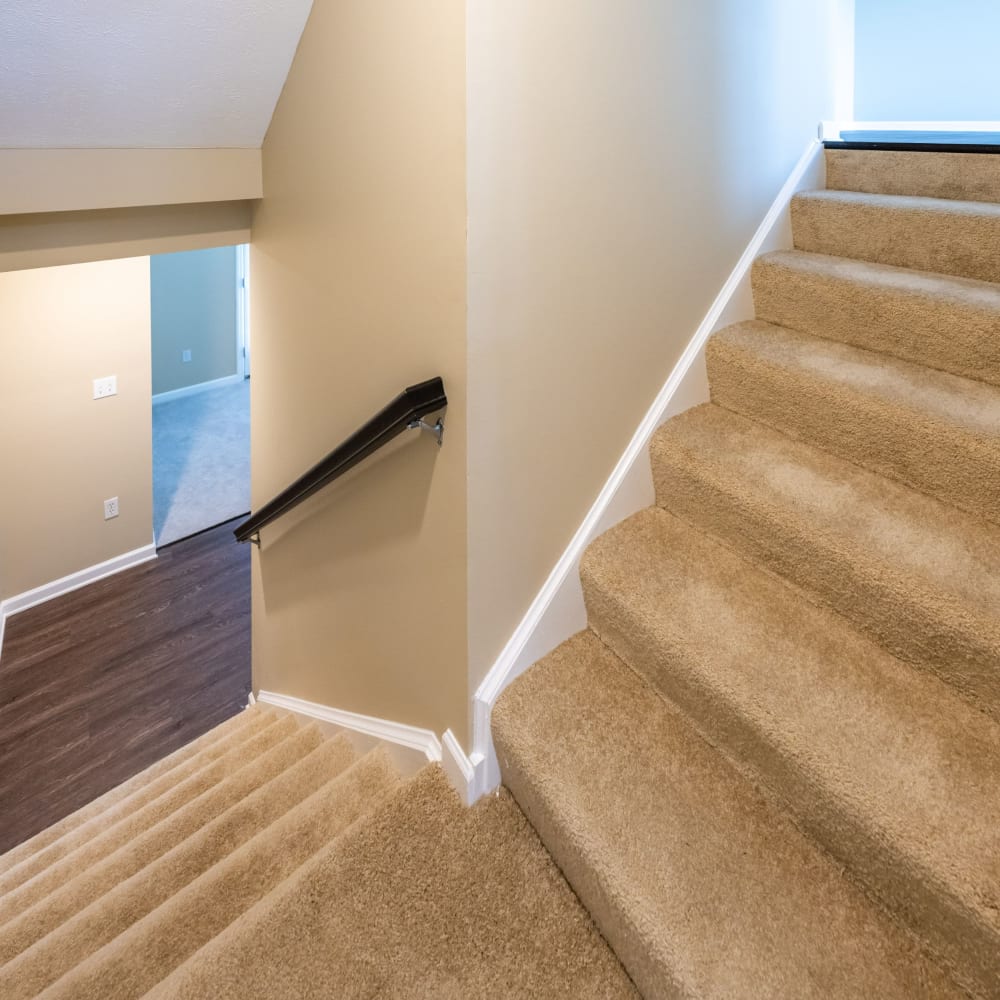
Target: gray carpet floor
[201, 461]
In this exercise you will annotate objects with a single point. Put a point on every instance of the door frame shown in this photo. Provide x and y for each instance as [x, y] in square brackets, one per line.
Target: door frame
[243, 310]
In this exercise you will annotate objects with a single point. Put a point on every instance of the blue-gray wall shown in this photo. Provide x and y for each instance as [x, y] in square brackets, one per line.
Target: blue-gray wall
[929, 60]
[193, 308]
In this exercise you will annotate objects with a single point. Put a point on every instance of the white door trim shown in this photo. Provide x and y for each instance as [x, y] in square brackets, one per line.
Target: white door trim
[243, 310]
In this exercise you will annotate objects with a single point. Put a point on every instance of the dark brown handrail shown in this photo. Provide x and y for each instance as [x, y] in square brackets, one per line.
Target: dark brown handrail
[404, 411]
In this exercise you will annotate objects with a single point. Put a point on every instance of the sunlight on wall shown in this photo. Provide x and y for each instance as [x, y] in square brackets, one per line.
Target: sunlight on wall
[927, 60]
[620, 159]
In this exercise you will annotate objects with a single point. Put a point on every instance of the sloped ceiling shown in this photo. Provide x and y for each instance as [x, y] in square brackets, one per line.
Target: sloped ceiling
[143, 73]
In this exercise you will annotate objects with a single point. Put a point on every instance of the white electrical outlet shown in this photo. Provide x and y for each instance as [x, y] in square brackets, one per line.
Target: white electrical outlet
[110, 508]
[186, 355]
[105, 386]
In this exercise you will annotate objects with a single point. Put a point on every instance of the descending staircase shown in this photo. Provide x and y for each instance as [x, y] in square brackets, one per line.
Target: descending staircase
[770, 767]
[269, 860]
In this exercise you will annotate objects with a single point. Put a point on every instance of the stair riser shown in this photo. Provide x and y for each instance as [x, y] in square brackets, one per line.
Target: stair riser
[651, 974]
[960, 243]
[970, 950]
[941, 460]
[961, 176]
[925, 628]
[947, 333]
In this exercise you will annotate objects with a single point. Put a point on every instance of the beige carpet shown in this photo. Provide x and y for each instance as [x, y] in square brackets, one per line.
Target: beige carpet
[959, 238]
[963, 176]
[771, 766]
[768, 770]
[702, 887]
[268, 861]
[933, 431]
[883, 308]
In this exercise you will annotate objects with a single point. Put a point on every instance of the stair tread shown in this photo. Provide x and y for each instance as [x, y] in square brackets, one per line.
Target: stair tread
[936, 432]
[946, 322]
[887, 765]
[928, 234]
[161, 938]
[919, 575]
[701, 885]
[23, 909]
[391, 907]
[139, 792]
[112, 913]
[968, 404]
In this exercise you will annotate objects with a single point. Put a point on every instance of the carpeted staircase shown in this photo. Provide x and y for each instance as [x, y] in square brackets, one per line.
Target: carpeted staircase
[770, 768]
[268, 860]
[771, 765]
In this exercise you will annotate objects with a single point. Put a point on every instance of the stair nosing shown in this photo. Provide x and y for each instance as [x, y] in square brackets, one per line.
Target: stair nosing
[953, 206]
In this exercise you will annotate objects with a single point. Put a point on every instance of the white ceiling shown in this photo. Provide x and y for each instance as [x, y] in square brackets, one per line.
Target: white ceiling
[136, 73]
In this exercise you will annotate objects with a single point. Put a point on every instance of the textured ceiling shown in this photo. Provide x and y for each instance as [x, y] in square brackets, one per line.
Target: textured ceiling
[127, 73]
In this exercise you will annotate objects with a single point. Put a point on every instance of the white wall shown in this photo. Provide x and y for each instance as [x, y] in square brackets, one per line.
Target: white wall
[620, 157]
[927, 60]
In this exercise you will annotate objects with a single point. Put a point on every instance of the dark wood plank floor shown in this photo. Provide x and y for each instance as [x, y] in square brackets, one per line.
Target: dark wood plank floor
[100, 683]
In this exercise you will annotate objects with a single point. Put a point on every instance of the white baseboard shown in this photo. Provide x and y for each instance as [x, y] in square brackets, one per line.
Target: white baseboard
[49, 591]
[383, 729]
[460, 770]
[423, 742]
[193, 390]
[557, 611]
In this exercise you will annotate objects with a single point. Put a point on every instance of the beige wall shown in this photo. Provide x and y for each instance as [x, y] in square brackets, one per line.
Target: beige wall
[620, 157]
[62, 452]
[358, 289]
[53, 238]
[72, 180]
[194, 309]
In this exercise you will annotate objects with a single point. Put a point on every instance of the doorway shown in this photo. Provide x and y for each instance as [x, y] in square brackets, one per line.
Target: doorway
[201, 390]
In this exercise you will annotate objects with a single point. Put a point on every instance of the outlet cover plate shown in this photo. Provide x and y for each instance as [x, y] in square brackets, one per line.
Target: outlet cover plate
[110, 508]
[104, 387]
